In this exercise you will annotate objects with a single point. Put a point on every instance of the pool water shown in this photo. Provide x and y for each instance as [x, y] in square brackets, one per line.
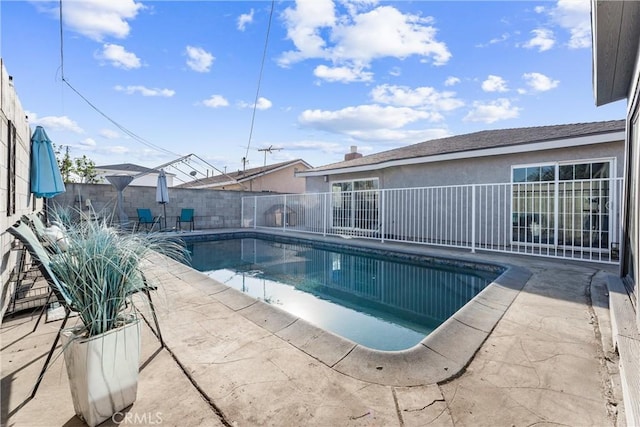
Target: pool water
[376, 302]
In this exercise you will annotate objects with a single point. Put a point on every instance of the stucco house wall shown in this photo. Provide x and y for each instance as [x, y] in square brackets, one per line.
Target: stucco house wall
[280, 181]
[480, 170]
[11, 112]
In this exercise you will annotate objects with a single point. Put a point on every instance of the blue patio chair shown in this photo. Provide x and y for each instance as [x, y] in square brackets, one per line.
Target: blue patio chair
[146, 219]
[59, 289]
[186, 215]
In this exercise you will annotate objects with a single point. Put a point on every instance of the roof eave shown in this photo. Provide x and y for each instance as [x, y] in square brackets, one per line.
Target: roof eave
[616, 36]
[467, 154]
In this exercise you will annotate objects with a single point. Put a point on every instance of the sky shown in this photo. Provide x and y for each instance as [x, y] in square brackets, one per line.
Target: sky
[147, 82]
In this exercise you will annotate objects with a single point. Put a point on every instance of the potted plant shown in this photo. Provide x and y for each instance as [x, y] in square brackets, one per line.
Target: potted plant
[101, 272]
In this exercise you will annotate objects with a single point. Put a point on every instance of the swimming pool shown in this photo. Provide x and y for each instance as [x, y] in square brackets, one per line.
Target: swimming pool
[380, 300]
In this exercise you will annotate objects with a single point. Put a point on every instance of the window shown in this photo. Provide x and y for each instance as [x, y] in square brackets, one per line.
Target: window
[355, 204]
[563, 204]
[11, 169]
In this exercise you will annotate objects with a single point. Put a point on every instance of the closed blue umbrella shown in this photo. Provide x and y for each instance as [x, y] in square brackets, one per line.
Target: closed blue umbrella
[46, 180]
[162, 194]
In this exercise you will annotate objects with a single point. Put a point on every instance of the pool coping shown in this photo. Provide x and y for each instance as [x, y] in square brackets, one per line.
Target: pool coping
[440, 356]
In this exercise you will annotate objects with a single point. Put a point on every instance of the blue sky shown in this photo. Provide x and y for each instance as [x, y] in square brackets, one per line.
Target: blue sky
[183, 76]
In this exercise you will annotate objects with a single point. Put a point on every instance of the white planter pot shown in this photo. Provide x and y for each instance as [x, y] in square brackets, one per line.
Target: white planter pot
[102, 370]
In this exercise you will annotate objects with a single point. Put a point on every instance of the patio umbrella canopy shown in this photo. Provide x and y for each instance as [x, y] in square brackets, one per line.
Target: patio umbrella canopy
[46, 180]
[162, 194]
[120, 182]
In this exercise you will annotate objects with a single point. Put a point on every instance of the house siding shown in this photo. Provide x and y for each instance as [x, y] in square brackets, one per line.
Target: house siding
[479, 170]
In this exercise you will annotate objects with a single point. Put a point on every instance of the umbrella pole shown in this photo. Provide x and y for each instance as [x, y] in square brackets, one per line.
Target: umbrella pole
[164, 210]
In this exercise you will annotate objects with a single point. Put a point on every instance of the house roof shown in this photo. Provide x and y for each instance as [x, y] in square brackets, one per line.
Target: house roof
[469, 145]
[241, 176]
[616, 35]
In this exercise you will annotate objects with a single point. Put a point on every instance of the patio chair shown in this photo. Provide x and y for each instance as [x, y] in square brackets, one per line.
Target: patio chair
[186, 215]
[27, 237]
[146, 218]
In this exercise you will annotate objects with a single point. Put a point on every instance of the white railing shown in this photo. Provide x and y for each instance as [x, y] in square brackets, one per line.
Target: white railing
[566, 219]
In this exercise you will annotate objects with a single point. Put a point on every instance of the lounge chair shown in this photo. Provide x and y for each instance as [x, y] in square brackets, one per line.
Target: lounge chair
[27, 237]
[146, 218]
[186, 215]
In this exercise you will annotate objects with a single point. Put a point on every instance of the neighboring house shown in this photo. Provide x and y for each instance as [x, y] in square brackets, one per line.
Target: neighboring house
[616, 76]
[278, 178]
[146, 177]
[15, 195]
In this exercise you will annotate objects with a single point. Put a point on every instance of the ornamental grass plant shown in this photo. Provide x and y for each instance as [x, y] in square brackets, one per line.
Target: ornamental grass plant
[101, 270]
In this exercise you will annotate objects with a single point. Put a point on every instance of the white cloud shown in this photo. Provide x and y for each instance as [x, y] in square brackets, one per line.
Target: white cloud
[116, 149]
[426, 98]
[96, 19]
[118, 56]
[109, 134]
[199, 59]
[539, 82]
[493, 111]
[395, 71]
[543, 39]
[303, 24]
[399, 137]
[354, 39]
[451, 81]
[494, 84]
[365, 122]
[216, 101]
[145, 91]
[244, 19]
[59, 123]
[324, 146]
[88, 143]
[342, 74]
[262, 104]
[385, 32]
[574, 16]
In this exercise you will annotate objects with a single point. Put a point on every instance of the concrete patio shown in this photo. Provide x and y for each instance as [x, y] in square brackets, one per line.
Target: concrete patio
[230, 361]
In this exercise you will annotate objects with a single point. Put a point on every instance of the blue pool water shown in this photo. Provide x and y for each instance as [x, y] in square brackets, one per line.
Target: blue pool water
[380, 303]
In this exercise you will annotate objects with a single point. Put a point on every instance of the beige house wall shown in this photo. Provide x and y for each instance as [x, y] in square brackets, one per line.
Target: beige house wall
[280, 181]
[11, 112]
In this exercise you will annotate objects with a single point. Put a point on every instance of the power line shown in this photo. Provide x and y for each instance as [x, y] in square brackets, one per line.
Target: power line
[264, 55]
[93, 106]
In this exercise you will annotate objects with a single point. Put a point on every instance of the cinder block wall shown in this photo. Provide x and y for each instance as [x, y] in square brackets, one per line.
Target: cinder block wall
[213, 208]
[14, 184]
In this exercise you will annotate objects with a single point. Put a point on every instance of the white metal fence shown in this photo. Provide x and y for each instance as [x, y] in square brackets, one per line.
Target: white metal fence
[576, 219]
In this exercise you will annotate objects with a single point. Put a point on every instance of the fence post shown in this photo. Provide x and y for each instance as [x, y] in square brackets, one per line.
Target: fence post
[324, 215]
[284, 213]
[473, 218]
[381, 227]
[255, 212]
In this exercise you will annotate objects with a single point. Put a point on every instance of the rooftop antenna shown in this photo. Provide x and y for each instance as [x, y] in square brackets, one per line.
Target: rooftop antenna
[268, 150]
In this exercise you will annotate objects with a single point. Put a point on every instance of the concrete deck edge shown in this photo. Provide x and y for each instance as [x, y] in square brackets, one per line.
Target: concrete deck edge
[626, 338]
[440, 356]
